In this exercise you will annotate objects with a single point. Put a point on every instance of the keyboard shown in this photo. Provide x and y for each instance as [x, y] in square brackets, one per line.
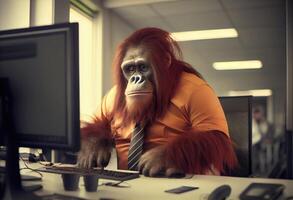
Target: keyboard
[101, 173]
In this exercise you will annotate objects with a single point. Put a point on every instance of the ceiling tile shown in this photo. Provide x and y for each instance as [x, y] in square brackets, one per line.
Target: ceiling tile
[149, 22]
[138, 11]
[199, 21]
[270, 57]
[215, 45]
[186, 7]
[231, 55]
[248, 4]
[263, 37]
[258, 17]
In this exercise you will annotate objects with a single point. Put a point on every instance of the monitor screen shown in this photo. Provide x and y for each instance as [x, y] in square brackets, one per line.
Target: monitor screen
[238, 114]
[41, 64]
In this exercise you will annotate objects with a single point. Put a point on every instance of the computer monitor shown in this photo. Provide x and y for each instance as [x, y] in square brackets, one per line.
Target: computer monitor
[41, 64]
[238, 114]
[39, 93]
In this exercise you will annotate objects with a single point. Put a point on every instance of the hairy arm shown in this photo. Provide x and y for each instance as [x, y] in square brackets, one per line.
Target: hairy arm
[96, 140]
[96, 145]
[202, 153]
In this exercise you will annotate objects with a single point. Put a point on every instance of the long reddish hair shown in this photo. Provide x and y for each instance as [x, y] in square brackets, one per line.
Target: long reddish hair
[166, 60]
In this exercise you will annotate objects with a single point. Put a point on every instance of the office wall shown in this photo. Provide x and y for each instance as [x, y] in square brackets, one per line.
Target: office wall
[115, 30]
[25, 13]
[47, 12]
[14, 14]
[41, 12]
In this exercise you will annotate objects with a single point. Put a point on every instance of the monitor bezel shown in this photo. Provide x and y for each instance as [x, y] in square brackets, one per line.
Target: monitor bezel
[72, 139]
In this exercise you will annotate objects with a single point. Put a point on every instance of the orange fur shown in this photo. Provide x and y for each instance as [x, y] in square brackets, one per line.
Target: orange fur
[138, 108]
[96, 128]
[198, 152]
[96, 144]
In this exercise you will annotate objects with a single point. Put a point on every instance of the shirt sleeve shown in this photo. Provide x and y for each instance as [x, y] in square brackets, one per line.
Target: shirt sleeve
[205, 110]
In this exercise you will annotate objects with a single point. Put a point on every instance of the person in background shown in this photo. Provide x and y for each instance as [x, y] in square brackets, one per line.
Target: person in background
[262, 139]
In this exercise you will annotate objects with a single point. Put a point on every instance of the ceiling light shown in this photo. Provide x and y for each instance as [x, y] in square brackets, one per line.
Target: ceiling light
[205, 34]
[256, 93]
[236, 65]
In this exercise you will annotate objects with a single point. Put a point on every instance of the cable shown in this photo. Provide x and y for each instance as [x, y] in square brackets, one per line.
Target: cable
[47, 163]
[27, 167]
[117, 184]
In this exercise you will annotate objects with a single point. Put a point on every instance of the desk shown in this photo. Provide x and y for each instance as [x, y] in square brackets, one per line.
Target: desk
[153, 188]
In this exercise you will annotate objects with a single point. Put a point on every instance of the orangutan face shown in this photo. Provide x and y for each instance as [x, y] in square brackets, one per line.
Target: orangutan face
[137, 71]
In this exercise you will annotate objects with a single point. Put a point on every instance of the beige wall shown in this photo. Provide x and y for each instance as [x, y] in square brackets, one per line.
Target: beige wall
[14, 14]
[115, 30]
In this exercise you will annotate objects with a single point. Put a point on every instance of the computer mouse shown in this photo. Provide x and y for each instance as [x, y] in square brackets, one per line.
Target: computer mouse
[220, 193]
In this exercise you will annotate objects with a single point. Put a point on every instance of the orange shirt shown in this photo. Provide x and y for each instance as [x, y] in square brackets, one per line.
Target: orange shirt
[194, 107]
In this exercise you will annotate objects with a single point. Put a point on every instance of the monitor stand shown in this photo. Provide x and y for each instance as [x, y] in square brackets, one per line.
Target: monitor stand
[13, 186]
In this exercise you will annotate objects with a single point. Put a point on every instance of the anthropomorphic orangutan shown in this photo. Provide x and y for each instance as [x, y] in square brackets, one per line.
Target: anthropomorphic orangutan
[185, 129]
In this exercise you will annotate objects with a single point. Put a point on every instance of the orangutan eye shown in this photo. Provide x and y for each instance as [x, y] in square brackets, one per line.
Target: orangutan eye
[143, 67]
[130, 68]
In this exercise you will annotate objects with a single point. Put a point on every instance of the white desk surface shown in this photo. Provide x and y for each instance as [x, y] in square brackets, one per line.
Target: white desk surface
[153, 188]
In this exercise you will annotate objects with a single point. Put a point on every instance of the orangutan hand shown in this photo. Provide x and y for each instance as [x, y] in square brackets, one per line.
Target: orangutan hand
[94, 152]
[152, 163]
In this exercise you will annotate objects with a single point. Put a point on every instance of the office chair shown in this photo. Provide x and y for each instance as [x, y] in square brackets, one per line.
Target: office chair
[238, 112]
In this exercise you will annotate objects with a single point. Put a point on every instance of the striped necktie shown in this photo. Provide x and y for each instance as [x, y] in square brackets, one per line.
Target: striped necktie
[136, 146]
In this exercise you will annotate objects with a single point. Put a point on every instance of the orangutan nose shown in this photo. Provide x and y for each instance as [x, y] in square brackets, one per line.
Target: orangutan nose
[136, 79]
